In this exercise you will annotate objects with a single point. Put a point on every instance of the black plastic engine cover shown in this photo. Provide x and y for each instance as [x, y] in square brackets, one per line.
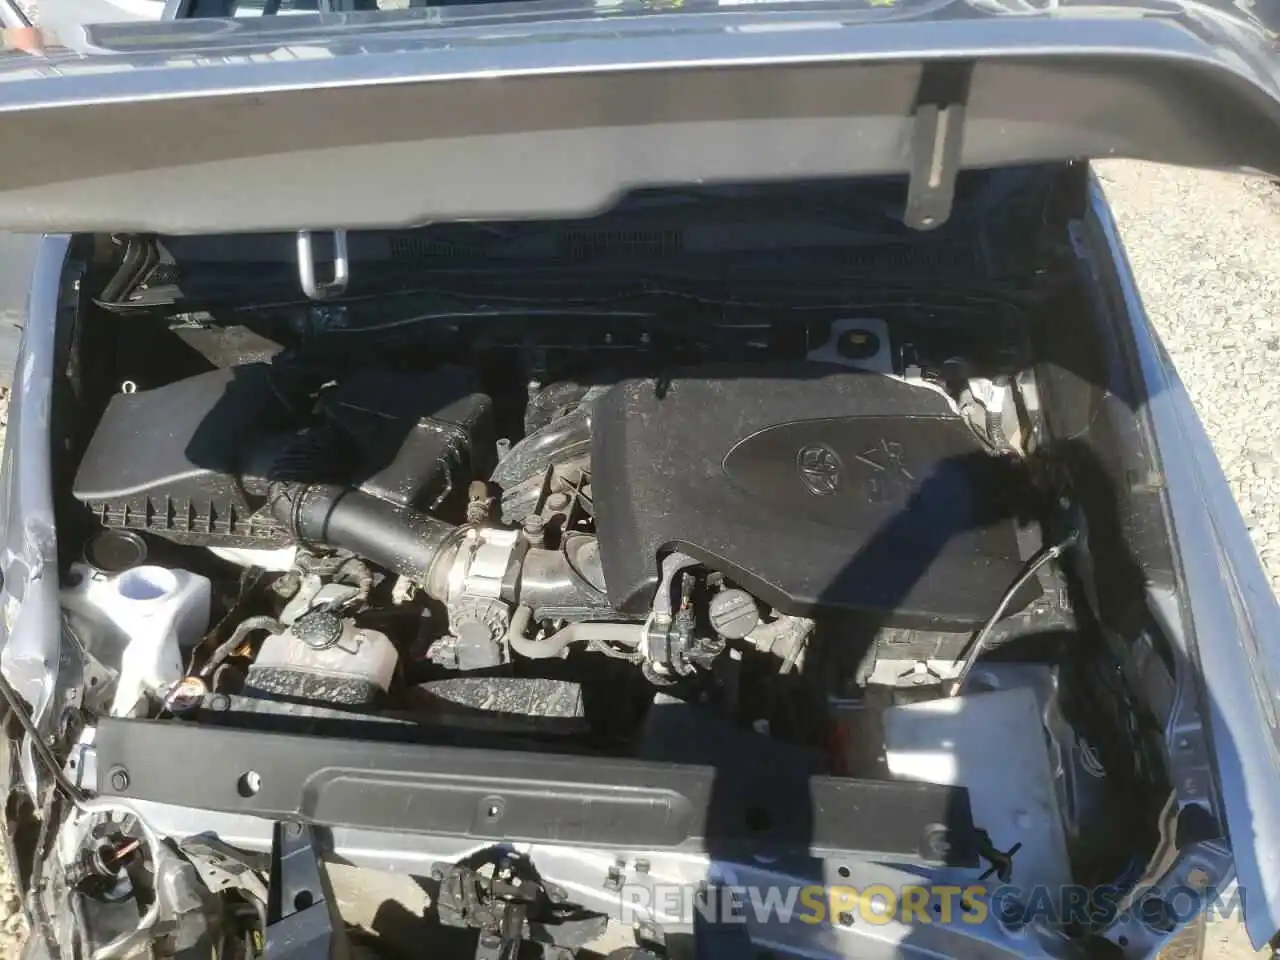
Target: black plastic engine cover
[812, 485]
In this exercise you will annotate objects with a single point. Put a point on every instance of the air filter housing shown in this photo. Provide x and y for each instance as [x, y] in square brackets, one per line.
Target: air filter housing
[192, 461]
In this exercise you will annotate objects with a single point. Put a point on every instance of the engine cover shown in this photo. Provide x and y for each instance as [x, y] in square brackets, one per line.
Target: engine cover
[812, 485]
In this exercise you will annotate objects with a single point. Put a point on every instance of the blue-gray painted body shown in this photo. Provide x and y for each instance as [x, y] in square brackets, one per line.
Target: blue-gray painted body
[555, 108]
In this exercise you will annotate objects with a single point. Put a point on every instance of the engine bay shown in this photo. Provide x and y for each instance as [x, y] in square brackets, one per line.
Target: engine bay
[865, 502]
[578, 510]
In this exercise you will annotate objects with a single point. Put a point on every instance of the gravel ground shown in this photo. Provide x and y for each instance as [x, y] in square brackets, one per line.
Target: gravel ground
[1205, 248]
[1206, 251]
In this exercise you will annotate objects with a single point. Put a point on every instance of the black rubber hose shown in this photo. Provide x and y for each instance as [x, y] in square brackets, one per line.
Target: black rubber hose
[553, 400]
[401, 539]
[569, 436]
[40, 750]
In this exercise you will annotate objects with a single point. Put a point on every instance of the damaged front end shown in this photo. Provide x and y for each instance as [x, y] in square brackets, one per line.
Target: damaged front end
[297, 628]
[806, 559]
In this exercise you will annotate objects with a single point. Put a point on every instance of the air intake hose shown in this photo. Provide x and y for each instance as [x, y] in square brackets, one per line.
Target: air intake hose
[399, 538]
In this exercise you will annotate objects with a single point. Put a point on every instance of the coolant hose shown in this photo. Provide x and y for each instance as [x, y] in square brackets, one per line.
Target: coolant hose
[401, 539]
[554, 646]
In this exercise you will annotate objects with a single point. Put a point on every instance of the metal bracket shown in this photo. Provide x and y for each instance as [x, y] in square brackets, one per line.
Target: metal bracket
[302, 916]
[512, 906]
[307, 267]
[935, 144]
[223, 867]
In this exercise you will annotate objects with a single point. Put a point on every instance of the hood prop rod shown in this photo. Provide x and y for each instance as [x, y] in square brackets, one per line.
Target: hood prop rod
[936, 141]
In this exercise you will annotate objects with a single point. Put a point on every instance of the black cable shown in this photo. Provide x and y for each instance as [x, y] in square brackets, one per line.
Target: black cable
[979, 643]
[81, 923]
[40, 919]
[40, 749]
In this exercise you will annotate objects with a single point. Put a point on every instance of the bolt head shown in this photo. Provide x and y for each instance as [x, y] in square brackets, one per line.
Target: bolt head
[119, 779]
[937, 841]
[1197, 879]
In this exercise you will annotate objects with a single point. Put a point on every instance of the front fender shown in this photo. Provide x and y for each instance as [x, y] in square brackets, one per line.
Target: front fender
[30, 618]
